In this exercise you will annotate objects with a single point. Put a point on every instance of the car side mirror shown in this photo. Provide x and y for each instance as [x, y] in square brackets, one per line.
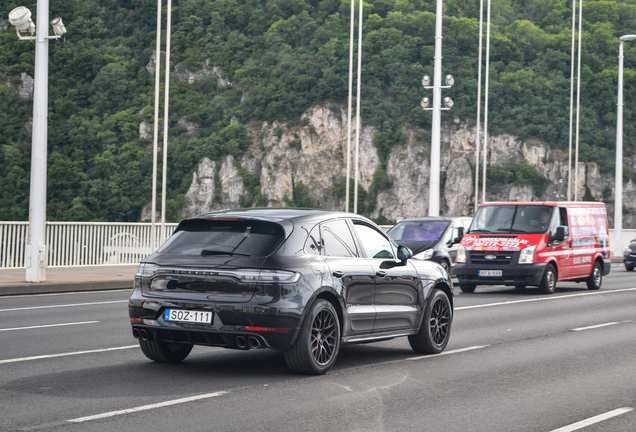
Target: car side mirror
[560, 234]
[460, 234]
[404, 253]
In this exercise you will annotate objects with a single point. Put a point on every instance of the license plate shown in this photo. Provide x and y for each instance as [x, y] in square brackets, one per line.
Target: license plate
[182, 315]
[490, 273]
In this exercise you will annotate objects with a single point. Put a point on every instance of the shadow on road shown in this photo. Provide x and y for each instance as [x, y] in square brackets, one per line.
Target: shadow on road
[205, 370]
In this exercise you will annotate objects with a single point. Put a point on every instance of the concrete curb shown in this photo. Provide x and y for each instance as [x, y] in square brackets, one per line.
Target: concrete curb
[54, 288]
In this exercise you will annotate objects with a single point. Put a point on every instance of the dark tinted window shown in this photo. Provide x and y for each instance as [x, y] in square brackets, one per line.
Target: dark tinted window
[418, 231]
[224, 237]
[337, 239]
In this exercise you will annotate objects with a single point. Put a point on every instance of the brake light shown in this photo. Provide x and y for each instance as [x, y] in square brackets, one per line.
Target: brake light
[269, 329]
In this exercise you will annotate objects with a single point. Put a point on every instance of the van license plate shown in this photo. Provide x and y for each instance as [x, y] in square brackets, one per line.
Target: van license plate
[181, 315]
[490, 273]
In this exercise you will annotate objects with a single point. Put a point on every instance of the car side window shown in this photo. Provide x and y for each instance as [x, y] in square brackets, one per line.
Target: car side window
[314, 244]
[374, 244]
[337, 239]
[559, 218]
[454, 233]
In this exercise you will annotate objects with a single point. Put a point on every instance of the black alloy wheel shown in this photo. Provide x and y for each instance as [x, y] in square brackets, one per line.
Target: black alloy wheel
[549, 280]
[164, 352]
[436, 325]
[467, 287]
[318, 342]
[629, 267]
[595, 279]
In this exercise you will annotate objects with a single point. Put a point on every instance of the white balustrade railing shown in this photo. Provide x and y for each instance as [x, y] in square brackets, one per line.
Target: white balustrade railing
[83, 243]
[103, 243]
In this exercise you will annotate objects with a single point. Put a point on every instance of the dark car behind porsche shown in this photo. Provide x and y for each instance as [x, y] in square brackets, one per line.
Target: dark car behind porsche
[299, 281]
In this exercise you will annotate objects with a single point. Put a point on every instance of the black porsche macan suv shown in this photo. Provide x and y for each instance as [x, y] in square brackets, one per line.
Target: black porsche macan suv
[300, 281]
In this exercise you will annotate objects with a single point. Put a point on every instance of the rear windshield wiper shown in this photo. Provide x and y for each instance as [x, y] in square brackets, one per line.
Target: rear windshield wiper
[214, 252]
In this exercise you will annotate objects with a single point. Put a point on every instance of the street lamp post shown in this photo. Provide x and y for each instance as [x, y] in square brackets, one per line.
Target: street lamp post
[618, 192]
[434, 183]
[20, 17]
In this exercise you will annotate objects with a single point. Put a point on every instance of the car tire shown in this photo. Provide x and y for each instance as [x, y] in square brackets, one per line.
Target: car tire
[435, 330]
[629, 268]
[467, 288]
[164, 352]
[316, 348]
[549, 280]
[595, 279]
[446, 266]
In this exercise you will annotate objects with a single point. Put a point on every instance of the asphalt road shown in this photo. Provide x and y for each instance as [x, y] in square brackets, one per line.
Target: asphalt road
[516, 361]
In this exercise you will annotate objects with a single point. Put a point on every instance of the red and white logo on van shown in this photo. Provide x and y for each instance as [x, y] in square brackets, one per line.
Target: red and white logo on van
[468, 240]
[494, 243]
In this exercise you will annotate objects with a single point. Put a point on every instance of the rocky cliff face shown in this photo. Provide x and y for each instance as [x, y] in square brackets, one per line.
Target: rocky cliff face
[314, 153]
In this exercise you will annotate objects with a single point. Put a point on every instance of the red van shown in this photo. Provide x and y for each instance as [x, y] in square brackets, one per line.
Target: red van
[535, 243]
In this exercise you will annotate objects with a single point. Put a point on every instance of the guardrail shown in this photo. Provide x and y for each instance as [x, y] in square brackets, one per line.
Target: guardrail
[83, 243]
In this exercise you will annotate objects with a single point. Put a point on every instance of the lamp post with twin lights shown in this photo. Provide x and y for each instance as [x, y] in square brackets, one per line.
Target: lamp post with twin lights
[20, 17]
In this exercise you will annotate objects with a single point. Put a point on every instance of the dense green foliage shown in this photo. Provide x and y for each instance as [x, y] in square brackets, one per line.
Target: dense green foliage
[284, 56]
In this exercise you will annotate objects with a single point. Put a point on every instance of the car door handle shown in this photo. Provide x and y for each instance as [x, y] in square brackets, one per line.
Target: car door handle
[338, 274]
[380, 274]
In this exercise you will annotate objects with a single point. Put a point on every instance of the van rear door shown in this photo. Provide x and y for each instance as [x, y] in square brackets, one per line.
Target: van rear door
[584, 235]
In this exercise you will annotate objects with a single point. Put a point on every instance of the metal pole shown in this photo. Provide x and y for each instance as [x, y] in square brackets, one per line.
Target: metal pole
[153, 229]
[618, 190]
[578, 108]
[433, 200]
[358, 125]
[485, 164]
[477, 137]
[36, 245]
[349, 108]
[165, 124]
[571, 102]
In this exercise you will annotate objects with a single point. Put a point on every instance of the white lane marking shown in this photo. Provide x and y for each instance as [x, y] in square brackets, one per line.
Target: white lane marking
[595, 326]
[543, 299]
[592, 420]
[48, 325]
[146, 407]
[63, 305]
[46, 356]
[448, 352]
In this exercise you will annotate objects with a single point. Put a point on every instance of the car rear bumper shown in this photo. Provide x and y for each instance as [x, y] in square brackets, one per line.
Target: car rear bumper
[512, 274]
[274, 325]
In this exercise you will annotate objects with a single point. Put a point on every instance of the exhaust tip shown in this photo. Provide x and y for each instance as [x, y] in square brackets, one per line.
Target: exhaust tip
[253, 342]
[135, 333]
[241, 342]
[143, 334]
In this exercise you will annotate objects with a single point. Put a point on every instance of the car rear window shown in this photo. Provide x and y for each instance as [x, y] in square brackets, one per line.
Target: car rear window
[224, 237]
